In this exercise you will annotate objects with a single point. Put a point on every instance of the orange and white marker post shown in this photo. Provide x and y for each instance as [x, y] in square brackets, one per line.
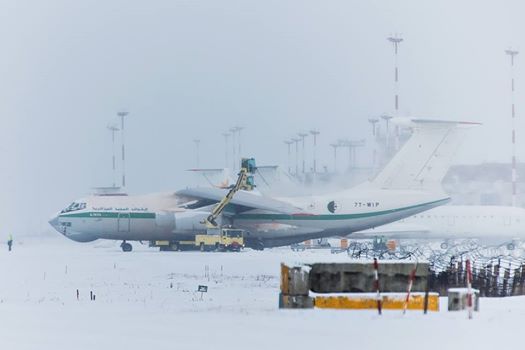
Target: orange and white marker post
[376, 285]
[411, 279]
[469, 289]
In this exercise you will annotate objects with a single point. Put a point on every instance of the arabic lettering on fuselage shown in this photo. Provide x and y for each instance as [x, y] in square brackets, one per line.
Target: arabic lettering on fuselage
[118, 209]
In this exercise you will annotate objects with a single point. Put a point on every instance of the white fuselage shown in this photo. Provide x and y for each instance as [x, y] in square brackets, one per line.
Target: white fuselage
[159, 217]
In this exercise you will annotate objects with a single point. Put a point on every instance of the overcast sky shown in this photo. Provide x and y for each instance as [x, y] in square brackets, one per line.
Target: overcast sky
[192, 69]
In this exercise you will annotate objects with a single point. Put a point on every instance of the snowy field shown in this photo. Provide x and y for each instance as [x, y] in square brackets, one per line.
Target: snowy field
[148, 300]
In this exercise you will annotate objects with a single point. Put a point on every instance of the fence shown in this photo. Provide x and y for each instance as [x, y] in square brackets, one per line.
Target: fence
[497, 272]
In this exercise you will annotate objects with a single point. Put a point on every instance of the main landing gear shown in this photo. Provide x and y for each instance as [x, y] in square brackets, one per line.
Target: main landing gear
[126, 247]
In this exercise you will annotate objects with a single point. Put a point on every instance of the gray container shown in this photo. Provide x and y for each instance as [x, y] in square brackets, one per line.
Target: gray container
[457, 299]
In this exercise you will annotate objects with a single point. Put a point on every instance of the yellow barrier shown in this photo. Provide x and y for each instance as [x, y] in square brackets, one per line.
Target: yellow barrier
[284, 278]
[389, 302]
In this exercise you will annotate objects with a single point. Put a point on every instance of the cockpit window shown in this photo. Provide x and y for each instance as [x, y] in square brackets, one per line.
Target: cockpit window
[74, 207]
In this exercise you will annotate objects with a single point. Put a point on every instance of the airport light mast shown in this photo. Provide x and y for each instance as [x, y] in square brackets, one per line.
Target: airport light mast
[197, 142]
[373, 122]
[296, 141]
[113, 129]
[396, 40]
[353, 145]
[335, 146]
[315, 133]
[351, 152]
[239, 129]
[512, 54]
[387, 118]
[289, 144]
[302, 135]
[122, 115]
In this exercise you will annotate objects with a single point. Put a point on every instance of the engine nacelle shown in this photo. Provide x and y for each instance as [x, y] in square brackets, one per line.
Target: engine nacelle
[190, 221]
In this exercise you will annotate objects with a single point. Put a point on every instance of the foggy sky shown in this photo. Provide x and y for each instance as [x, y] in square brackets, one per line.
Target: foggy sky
[192, 69]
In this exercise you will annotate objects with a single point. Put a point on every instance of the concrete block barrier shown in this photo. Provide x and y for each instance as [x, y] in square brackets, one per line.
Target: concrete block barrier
[358, 277]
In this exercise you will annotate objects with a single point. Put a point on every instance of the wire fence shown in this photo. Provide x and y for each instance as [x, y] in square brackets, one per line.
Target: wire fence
[497, 271]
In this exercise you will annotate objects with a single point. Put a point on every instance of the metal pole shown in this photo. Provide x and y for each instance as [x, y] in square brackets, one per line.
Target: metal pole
[374, 121]
[335, 145]
[302, 136]
[234, 162]
[122, 115]
[113, 129]
[289, 144]
[513, 53]
[396, 40]
[315, 133]
[296, 155]
[239, 129]
[387, 118]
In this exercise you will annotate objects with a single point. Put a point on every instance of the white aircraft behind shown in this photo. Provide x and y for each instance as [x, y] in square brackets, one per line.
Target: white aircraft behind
[409, 184]
[491, 225]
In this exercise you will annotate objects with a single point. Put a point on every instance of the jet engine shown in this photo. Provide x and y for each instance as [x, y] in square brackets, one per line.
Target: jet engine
[190, 221]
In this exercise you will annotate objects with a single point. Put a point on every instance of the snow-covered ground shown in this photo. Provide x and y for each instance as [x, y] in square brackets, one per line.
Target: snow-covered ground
[148, 300]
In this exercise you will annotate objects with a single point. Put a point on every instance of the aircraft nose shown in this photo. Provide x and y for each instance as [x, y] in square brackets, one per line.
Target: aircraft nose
[54, 221]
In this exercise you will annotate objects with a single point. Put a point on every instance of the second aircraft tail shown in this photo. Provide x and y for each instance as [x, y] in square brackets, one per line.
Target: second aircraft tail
[423, 161]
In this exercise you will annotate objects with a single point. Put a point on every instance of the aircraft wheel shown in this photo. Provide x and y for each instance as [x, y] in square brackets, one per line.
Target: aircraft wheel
[444, 245]
[126, 247]
[511, 246]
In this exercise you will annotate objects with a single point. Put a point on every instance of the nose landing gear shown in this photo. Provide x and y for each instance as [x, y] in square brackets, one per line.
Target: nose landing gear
[126, 247]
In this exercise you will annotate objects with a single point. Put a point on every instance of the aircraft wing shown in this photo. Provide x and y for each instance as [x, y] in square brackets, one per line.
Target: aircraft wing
[242, 201]
[395, 230]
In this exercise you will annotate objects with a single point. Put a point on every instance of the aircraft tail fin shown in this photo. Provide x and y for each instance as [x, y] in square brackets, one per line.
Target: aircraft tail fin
[423, 161]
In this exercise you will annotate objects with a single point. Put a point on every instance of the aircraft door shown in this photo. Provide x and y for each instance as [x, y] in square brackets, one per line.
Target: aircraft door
[123, 222]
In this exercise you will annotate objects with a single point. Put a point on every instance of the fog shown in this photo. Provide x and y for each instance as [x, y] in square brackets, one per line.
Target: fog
[193, 69]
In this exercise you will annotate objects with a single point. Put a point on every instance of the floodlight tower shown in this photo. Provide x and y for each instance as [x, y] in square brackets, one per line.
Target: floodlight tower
[296, 141]
[226, 137]
[302, 135]
[513, 53]
[396, 40]
[348, 144]
[197, 142]
[289, 144]
[239, 129]
[335, 146]
[373, 122]
[354, 144]
[387, 118]
[122, 115]
[113, 129]
[315, 133]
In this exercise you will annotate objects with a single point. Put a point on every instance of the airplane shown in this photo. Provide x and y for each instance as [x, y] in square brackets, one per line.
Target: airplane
[494, 225]
[408, 184]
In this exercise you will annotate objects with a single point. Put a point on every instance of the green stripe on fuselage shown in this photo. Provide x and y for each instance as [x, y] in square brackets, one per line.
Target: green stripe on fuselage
[115, 215]
[331, 216]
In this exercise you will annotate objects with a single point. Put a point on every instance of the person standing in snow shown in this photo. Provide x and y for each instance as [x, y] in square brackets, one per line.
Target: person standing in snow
[10, 242]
